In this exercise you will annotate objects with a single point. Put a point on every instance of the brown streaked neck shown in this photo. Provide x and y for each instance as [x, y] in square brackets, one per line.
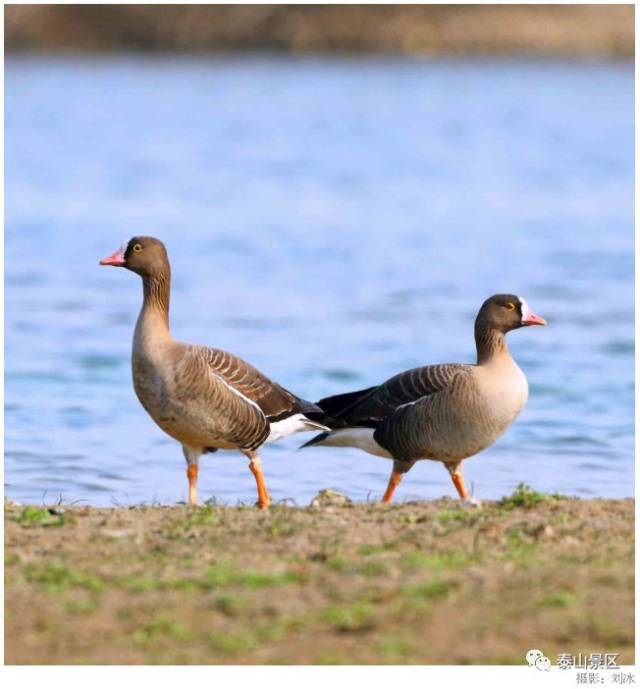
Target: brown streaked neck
[154, 315]
[490, 343]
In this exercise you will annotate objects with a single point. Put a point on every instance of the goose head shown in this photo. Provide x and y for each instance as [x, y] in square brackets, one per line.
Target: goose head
[505, 312]
[145, 256]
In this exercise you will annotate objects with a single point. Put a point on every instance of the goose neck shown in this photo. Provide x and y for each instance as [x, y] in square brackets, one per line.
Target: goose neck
[490, 344]
[154, 316]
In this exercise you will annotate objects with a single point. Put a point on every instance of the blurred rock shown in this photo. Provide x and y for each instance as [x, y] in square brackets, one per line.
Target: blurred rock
[330, 498]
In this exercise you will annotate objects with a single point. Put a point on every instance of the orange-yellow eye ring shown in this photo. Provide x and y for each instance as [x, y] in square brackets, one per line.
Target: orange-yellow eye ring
[137, 248]
[511, 306]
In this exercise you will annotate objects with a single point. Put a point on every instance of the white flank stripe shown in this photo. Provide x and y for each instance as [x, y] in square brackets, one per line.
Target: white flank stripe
[237, 392]
[355, 437]
[409, 404]
[292, 424]
[280, 429]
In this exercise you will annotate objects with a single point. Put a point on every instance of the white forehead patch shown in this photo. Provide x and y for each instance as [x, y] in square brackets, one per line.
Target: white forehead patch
[124, 247]
[526, 311]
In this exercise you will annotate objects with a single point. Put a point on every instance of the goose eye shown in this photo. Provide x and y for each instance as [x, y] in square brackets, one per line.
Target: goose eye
[510, 305]
[137, 248]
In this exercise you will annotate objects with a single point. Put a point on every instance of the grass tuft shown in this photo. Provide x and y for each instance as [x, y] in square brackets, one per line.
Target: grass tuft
[233, 643]
[138, 584]
[80, 606]
[394, 648]
[354, 618]
[229, 605]
[158, 628]
[55, 577]
[221, 575]
[416, 560]
[459, 516]
[526, 497]
[436, 589]
[30, 515]
[562, 599]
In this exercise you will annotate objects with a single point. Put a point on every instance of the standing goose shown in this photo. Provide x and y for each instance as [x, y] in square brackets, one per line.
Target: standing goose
[446, 412]
[205, 398]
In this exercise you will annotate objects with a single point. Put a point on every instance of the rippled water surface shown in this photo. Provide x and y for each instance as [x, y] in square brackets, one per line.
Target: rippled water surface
[333, 222]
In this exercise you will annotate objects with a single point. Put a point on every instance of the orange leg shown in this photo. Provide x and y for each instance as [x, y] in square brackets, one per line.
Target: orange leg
[394, 480]
[458, 482]
[264, 499]
[192, 475]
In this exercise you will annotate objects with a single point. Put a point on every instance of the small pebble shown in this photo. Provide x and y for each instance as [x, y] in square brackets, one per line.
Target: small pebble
[330, 498]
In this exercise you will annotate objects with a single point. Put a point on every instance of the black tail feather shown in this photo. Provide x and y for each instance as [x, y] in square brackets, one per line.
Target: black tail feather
[315, 440]
[319, 416]
[338, 404]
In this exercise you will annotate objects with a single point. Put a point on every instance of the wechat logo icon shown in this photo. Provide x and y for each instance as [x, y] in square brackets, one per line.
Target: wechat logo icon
[538, 659]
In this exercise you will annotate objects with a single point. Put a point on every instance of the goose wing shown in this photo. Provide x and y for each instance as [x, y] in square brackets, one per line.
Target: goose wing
[275, 402]
[369, 407]
[246, 402]
[414, 429]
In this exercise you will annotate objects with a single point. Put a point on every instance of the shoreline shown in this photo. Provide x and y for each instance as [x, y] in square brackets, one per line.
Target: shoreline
[417, 582]
[561, 30]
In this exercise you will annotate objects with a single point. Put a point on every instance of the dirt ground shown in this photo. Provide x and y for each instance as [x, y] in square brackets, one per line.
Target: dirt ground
[424, 582]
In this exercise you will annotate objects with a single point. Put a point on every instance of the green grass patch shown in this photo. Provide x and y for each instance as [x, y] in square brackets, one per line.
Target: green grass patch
[368, 567]
[353, 618]
[407, 519]
[40, 516]
[436, 589]
[394, 648]
[340, 564]
[561, 599]
[138, 584]
[229, 605]
[519, 549]
[417, 560]
[280, 529]
[251, 639]
[526, 497]
[280, 524]
[221, 575]
[158, 628]
[80, 607]
[233, 643]
[459, 516]
[203, 515]
[372, 568]
[55, 577]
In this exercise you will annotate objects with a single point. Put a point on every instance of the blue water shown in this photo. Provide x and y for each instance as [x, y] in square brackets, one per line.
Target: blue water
[333, 221]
